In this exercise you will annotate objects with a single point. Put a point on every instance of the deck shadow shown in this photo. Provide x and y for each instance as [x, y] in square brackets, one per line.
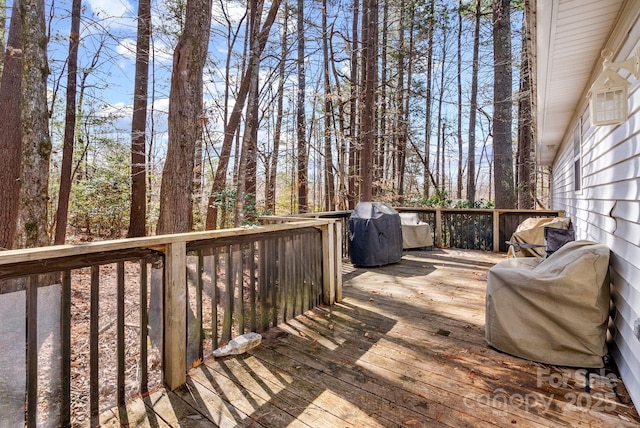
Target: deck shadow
[281, 380]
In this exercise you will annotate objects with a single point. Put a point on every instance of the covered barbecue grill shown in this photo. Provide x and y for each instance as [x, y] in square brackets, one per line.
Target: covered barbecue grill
[375, 235]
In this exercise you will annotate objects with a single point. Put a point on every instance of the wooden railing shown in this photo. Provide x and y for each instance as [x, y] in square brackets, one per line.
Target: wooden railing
[85, 327]
[476, 229]
[473, 229]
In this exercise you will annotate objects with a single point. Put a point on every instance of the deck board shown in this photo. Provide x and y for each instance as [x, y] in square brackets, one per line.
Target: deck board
[405, 348]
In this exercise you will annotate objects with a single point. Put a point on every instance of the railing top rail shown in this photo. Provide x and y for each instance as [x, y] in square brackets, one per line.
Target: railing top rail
[158, 242]
[346, 213]
[479, 210]
[322, 214]
[293, 217]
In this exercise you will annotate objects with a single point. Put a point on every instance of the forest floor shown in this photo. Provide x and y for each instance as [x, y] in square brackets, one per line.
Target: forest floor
[107, 331]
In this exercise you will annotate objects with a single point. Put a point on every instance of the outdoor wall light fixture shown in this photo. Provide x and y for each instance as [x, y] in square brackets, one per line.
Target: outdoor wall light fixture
[608, 100]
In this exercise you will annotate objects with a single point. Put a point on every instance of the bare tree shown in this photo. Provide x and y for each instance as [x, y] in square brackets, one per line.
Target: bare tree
[400, 128]
[11, 141]
[3, 20]
[381, 150]
[220, 177]
[36, 142]
[409, 85]
[502, 105]
[353, 185]
[273, 166]
[525, 165]
[440, 170]
[69, 126]
[246, 183]
[301, 121]
[185, 106]
[369, 72]
[339, 120]
[328, 108]
[459, 81]
[138, 211]
[428, 177]
[473, 108]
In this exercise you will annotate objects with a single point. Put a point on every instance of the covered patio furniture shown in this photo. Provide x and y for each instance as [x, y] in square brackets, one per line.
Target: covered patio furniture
[528, 240]
[552, 310]
[415, 233]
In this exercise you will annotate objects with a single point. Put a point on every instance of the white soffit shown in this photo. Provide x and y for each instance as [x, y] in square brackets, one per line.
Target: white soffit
[570, 37]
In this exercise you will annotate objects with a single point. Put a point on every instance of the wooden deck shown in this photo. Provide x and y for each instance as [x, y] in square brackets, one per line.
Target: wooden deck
[405, 348]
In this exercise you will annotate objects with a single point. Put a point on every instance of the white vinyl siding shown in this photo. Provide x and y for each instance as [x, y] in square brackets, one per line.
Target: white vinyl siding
[607, 210]
[577, 157]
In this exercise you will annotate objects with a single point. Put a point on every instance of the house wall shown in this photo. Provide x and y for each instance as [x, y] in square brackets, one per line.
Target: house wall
[607, 209]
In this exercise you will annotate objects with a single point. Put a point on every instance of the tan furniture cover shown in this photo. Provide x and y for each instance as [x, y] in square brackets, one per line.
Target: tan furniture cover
[552, 310]
[415, 233]
[531, 231]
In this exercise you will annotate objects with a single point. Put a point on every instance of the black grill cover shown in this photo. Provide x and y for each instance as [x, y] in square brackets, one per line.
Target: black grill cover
[375, 235]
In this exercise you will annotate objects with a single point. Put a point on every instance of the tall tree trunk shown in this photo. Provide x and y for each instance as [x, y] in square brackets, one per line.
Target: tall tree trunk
[139, 163]
[368, 132]
[353, 188]
[220, 177]
[11, 141]
[400, 128]
[273, 167]
[427, 176]
[440, 183]
[380, 153]
[138, 213]
[459, 81]
[329, 180]
[36, 141]
[196, 191]
[340, 119]
[254, 119]
[246, 184]
[473, 108]
[69, 127]
[301, 121]
[443, 171]
[502, 100]
[185, 106]
[407, 98]
[526, 164]
[3, 20]
[220, 182]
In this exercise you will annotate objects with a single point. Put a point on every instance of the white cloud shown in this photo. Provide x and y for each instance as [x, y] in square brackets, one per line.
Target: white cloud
[111, 8]
[161, 105]
[234, 12]
[110, 15]
[127, 50]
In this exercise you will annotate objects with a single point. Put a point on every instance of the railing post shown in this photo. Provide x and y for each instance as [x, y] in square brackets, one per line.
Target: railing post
[328, 263]
[175, 315]
[338, 258]
[496, 231]
[438, 228]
